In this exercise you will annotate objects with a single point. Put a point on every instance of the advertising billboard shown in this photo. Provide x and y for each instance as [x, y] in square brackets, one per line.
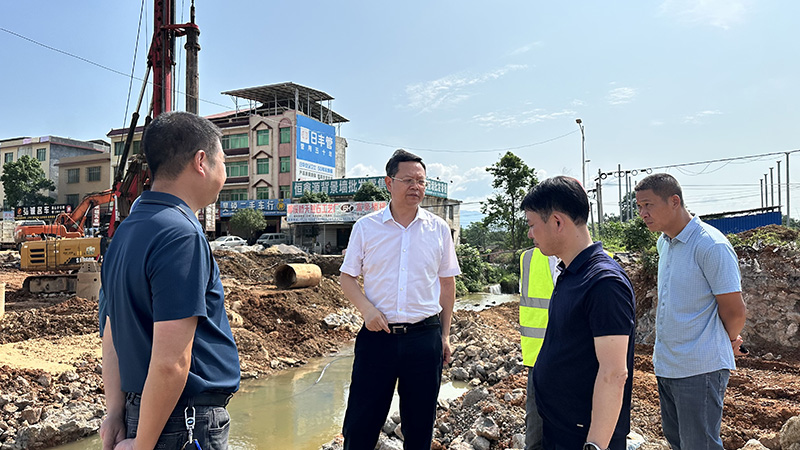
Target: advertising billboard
[316, 149]
[268, 207]
[349, 186]
[330, 212]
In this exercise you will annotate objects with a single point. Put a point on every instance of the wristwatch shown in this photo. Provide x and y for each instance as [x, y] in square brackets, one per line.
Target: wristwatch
[592, 446]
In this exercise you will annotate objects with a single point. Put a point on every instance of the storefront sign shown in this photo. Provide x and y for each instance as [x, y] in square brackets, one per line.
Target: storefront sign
[268, 207]
[330, 212]
[349, 186]
[43, 212]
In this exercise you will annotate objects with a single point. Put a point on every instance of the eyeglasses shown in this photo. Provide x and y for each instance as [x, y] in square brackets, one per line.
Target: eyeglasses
[411, 182]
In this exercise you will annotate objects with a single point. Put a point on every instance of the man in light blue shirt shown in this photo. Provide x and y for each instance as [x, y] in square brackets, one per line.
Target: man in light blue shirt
[699, 316]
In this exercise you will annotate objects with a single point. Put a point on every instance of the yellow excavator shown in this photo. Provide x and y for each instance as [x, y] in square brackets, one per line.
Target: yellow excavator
[63, 256]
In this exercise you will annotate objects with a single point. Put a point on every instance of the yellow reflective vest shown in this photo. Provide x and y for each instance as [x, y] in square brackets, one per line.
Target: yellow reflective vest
[536, 287]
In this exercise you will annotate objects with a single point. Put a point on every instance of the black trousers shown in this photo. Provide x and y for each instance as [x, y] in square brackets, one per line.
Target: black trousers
[413, 362]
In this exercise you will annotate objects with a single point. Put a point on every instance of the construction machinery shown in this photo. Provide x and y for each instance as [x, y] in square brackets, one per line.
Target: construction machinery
[57, 255]
[65, 225]
[62, 247]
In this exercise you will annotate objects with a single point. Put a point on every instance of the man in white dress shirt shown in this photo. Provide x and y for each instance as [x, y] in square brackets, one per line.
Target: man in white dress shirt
[407, 258]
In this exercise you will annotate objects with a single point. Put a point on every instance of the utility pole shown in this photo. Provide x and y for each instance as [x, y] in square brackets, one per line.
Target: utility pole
[583, 153]
[761, 191]
[619, 177]
[766, 190]
[788, 211]
[599, 197]
[771, 188]
[779, 185]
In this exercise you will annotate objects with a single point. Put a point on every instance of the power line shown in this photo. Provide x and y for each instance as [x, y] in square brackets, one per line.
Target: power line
[466, 151]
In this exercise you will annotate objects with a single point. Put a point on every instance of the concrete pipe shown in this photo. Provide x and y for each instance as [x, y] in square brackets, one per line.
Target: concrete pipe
[288, 276]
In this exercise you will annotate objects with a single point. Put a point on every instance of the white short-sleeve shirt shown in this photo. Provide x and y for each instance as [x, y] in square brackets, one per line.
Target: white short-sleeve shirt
[402, 265]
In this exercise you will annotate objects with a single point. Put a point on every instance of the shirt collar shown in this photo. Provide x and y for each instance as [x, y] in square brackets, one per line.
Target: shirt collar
[387, 214]
[687, 231]
[582, 257]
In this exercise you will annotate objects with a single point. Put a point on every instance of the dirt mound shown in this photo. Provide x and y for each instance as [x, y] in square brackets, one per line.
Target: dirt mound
[780, 232]
[73, 316]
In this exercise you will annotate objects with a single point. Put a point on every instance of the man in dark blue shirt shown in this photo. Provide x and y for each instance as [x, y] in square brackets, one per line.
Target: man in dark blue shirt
[582, 376]
[168, 351]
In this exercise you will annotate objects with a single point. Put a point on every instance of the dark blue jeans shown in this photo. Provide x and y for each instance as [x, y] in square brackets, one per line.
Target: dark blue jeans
[691, 410]
[413, 362]
[212, 424]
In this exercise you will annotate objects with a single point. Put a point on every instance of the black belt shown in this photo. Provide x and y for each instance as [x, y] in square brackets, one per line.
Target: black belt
[403, 328]
[201, 399]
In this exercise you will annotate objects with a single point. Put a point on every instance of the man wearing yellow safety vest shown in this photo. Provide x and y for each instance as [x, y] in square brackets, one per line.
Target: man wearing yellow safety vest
[538, 275]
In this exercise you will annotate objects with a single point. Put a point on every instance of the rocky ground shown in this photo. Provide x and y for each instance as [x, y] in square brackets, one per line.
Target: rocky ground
[51, 388]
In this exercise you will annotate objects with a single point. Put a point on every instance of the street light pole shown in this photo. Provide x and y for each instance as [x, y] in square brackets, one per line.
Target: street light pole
[583, 153]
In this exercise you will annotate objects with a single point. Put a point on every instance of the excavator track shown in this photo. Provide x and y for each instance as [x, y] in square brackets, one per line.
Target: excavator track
[51, 283]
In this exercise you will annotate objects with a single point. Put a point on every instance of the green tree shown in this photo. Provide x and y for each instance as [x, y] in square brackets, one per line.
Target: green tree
[247, 223]
[473, 268]
[315, 197]
[636, 236]
[23, 182]
[476, 234]
[512, 180]
[369, 192]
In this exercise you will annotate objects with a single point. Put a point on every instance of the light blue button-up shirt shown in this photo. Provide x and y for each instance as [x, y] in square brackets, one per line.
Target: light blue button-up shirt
[693, 267]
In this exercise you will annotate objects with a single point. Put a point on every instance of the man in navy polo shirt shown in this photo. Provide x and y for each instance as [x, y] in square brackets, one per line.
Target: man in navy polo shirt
[170, 363]
[582, 376]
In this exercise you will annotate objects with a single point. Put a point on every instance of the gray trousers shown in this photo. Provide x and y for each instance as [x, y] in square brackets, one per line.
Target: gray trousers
[533, 421]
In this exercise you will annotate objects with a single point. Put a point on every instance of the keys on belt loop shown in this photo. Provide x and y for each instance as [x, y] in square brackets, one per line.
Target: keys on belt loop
[399, 329]
[191, 443]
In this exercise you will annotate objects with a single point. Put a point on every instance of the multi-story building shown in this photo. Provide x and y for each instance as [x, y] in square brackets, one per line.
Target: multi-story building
[49, 151]
[81, 175]
[282, 133]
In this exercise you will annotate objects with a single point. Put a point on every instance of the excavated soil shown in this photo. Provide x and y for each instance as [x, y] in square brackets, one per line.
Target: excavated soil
[48, 344]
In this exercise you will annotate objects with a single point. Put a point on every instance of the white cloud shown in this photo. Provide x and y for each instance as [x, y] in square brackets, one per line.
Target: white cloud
[505, 120]
[525, 48]
[456, 178]
[718, 13]
[361, 170]
[622, 95]
[656, 123]
[577, 102]
[698, 116]
[452, 89]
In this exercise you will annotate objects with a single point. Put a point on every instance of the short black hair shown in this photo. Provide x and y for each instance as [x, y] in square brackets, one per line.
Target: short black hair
[663, 185]
[563, 194]
[171, 140]
[399, 156]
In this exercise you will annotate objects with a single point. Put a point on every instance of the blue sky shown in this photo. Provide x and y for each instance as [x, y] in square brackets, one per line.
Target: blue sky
[656, 83]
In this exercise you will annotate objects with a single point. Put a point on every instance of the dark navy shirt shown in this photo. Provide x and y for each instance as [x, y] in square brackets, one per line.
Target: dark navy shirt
[159, 267]
[593, 297]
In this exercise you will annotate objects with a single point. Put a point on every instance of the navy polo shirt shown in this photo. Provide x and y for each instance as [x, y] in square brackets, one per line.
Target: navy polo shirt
[593, 298]
[159, 267]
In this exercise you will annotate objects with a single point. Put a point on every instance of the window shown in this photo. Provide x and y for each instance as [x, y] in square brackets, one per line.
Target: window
[230, 141]
[8, 157]
[286, 165]
[236, 169]
[93, 173]
[73, 175]
[72, 199]
[41, 154]
[135, 146]
[262, 193]
[25, 151]
[262, 166]
[232, 195]
[118, 146]
[286, 135]
[284, 192]
[262, 137]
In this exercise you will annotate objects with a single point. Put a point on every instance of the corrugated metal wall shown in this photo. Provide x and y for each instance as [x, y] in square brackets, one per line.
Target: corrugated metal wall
[729, 225]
